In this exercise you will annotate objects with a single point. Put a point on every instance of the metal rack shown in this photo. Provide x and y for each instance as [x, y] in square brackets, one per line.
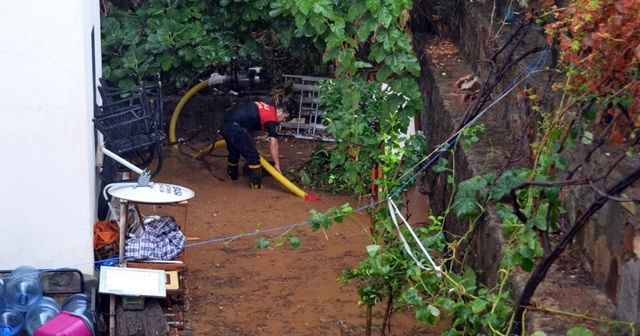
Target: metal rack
[131, 122]
[305, 91]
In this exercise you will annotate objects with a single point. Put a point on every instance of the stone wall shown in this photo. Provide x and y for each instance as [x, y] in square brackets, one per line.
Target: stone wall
[438, 121]
[504, 122]
[610, 242]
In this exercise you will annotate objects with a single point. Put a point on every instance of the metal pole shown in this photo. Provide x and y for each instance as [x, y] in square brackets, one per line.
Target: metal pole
[122, 161]
[122, 220]
[112, 315]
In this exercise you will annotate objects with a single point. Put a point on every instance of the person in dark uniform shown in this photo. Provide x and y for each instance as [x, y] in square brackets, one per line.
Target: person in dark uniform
[236, 128]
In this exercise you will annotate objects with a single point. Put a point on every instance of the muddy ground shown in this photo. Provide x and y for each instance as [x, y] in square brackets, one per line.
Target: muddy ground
[232, 288]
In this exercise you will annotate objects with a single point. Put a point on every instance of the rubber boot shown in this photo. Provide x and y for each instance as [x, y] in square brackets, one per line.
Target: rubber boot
[255, 176]
[232, 170]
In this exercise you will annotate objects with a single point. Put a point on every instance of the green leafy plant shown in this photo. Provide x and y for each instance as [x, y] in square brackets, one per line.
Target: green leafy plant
[163, 37]
[528, 202]
[186, 40]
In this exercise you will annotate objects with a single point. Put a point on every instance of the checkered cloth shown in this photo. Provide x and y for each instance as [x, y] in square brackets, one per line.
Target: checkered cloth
[161, 240]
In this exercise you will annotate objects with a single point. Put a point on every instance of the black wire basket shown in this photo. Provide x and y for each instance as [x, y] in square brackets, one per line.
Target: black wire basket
[131, 121]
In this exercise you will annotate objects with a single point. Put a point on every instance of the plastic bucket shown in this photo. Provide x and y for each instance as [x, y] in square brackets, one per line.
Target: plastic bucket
[65, 324]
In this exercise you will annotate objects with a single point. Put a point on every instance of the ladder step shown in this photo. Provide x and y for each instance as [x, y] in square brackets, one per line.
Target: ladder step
[306, 87]
[309, 100]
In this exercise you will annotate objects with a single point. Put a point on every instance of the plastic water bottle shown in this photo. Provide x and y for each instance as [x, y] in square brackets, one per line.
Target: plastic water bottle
[80, 305]
[41, 314]
[2, 305]
[24, 288]
[11, 322]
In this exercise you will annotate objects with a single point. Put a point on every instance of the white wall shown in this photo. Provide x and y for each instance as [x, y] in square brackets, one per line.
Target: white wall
[47, 151]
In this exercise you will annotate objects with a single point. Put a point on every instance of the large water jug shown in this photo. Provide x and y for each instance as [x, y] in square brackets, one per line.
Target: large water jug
[41, 314]
[11, 322]
[80, 305]
[2, 305]
[24, 288]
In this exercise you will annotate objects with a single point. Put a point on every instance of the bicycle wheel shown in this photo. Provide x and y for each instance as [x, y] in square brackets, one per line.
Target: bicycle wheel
[194, 125]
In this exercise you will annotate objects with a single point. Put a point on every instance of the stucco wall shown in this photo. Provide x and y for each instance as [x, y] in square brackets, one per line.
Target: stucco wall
[47, 203]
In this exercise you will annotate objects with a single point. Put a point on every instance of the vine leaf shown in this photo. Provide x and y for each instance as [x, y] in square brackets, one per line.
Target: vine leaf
[502, 188]
[465, 204]
[429, 314]
[372, 250]
[440, 166]
[579, 331]
[295, 242]
[263, 243]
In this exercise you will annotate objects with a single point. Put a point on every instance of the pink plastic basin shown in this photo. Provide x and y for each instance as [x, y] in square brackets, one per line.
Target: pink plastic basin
[64, 324]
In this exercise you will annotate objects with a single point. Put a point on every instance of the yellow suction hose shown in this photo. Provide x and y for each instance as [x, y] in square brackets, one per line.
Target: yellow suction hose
[292, 187]
[283, 180]
[176, 114]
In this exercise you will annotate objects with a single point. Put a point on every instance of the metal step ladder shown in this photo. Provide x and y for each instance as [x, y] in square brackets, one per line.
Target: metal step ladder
[305, 93]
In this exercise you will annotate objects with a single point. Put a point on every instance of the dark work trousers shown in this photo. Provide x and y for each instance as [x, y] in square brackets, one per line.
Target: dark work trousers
[239, 142]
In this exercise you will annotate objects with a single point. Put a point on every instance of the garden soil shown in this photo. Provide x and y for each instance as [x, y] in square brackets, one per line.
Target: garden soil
[230, 287]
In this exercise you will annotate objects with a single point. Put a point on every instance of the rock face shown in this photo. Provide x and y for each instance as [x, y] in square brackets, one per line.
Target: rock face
[609, 246]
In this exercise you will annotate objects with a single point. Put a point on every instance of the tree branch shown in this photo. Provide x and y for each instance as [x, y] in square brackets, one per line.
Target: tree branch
[542, 268]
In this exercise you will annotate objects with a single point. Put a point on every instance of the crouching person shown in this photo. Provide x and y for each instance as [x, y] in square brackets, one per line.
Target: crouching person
[237, 128]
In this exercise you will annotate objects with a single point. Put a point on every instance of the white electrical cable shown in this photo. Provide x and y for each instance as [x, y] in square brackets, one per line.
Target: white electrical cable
[394, 211]
[106, 196]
